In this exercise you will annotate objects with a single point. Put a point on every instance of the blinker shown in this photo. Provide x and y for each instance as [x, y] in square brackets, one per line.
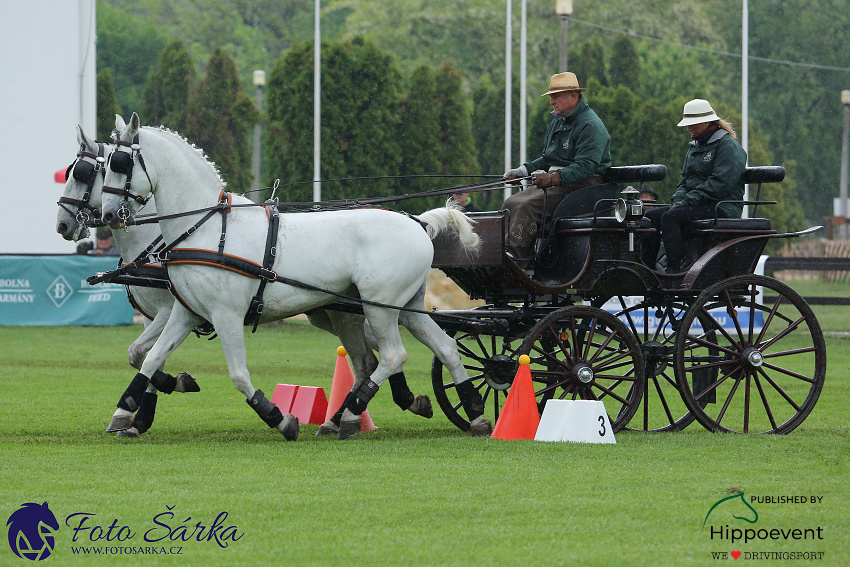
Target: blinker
[83, 171]
[121, 162]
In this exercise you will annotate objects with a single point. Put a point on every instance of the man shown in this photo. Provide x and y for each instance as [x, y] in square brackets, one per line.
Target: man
[576, 152]
[105, 244]
[466, 205]
[646, 193]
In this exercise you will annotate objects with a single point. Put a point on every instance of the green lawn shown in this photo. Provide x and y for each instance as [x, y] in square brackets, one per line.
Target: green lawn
[413, 492]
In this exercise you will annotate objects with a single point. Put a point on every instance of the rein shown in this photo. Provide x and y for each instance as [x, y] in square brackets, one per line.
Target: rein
[85, 169]
[321, 206]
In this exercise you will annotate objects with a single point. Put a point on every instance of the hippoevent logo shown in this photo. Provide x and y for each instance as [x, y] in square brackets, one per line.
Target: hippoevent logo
[735, 520]
[31, 529]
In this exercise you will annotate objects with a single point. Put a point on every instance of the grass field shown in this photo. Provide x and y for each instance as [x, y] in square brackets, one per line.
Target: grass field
[414, 492]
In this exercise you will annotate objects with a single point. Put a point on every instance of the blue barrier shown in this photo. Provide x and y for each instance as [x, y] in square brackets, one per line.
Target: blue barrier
[51, 289]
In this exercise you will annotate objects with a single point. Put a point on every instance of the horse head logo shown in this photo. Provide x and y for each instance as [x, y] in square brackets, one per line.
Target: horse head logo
[31, 529]
[731, 500]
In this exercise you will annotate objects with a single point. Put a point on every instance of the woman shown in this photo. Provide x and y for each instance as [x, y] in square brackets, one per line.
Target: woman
[713, 172]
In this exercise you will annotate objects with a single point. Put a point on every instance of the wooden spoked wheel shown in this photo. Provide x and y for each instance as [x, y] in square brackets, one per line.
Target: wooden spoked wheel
[767, 350]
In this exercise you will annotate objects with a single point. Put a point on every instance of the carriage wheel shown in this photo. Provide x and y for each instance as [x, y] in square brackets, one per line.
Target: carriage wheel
[490, 362]
[770, 367]
[585, 353]
[654, 324]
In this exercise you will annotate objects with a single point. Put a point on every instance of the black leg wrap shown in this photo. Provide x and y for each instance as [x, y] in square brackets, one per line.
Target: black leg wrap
[147, 411]
[402, 396]
[338, 415]
[163, 382]
[470, 399]
[267, 411]
[133, 394]
[357, 402]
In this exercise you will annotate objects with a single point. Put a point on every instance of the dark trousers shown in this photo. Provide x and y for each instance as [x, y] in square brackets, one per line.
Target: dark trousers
[670, 221]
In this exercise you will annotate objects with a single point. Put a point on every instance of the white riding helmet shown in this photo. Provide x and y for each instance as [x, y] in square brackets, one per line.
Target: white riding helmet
[697, 111]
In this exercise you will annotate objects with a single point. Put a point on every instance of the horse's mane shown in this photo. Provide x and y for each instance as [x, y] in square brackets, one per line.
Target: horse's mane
[198, 150]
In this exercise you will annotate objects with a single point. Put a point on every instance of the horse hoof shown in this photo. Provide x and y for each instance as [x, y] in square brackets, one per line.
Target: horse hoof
[289, 427]
[132, 432]
[120, 423]
[186, 384]
[349, 425]
[422, 406]
[480, 427]
[328, 428]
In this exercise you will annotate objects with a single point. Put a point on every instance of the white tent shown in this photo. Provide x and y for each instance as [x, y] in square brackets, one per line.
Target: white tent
[48, 73]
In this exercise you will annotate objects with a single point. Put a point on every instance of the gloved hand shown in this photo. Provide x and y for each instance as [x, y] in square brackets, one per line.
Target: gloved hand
[521, 171]
[543, 180]
[677, 204]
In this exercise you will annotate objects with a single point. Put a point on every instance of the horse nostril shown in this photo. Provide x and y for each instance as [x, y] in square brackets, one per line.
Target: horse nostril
[62, 228]
[108, 218]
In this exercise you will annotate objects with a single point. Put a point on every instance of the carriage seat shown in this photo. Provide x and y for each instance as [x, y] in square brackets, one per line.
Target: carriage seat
[752, 175]
[730, 224]
[567, 224]
[583, 202]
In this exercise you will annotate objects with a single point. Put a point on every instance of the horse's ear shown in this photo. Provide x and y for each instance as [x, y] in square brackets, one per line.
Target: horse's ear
[119, 123]
[84, 140]
[135, 124]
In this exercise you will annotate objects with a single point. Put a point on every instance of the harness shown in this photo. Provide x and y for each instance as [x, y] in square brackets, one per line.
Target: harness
[123, 161]
[85, 169]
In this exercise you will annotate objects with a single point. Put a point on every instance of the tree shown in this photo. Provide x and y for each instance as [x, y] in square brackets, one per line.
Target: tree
[590, 64]
[458, 156]
[169, 86]
[420, 132]
[107, 108]
[129, 44]
[360, 120]
[624, 65]
[220, 119]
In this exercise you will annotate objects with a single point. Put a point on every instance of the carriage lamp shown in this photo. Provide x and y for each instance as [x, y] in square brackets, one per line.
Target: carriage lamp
[628, 210]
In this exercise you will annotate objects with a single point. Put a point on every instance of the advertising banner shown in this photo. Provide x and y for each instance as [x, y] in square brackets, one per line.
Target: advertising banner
[52, 290]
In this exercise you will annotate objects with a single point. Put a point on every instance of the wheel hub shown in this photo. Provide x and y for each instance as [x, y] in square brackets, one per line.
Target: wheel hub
[499, 371]
[655, 357]
[583, 372]
[752, 358]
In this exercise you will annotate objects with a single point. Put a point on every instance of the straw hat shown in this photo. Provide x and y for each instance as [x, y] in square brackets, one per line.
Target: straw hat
[563, 82]
[697, 111]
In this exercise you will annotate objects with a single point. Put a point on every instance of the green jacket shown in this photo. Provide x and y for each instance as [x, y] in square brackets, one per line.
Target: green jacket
[580, 143]
[714, 172]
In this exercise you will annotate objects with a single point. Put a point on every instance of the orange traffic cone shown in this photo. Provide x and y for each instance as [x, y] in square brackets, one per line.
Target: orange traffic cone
[342, 383]
[519, 418]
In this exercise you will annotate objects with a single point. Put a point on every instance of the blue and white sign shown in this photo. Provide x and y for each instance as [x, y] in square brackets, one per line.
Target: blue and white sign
[52, 290]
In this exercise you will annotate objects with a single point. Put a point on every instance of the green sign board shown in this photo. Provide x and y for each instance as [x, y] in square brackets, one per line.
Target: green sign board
[52, 290]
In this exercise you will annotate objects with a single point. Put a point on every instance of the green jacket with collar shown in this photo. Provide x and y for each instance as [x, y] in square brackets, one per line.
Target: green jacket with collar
[713, 171]
[579, 143]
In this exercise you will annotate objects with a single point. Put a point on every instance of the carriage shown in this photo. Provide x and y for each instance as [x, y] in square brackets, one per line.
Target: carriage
[717, 343]
[737, 351]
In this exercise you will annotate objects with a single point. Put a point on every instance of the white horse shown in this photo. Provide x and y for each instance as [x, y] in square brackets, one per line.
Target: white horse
[80, 199]
[83, 196]
[380, 256]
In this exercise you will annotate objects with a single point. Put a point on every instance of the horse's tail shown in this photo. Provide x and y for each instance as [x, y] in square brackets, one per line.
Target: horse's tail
[438, 220]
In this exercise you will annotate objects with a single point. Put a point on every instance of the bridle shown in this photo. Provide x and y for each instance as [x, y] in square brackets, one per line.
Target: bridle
[85, 169]
[122, 162]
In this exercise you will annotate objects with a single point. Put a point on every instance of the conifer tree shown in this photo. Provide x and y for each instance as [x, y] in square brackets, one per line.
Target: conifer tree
[107, 108]
[624, 66]
[590, 64]
[457, 155]
[419, 134]
[360, 120]
[220, 120]
[169, 86]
